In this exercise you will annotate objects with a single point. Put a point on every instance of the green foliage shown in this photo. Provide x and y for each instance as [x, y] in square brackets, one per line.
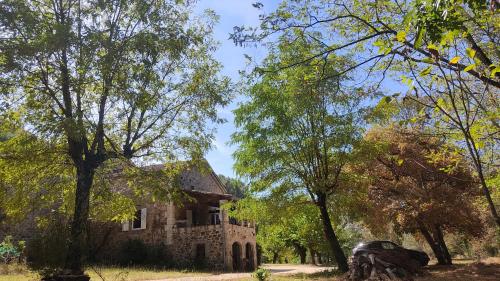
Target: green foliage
[35, 176]
[290, 116]
[437, 18]
[46, 251]
[262, 274]
[105, 81]
[134, 252]
[234, 186]
[9, 252]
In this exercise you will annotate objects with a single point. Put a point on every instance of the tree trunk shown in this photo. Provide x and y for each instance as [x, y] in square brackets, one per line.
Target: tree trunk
[442, 244]
[275, 257]
[319, 258]
[340, 258]
[477, 161]
[436, 249]
[487, 194]
[301, 251]
[313, 254]
[259, 254]
[85, 176]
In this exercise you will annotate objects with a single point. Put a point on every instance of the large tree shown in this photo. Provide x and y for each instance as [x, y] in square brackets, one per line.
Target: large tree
[283, 221]
[114, 79]
[297, 131]
[421, 187]
[446, 51]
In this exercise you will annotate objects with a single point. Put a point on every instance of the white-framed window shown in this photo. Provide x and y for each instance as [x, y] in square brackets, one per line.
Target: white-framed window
[139, 221]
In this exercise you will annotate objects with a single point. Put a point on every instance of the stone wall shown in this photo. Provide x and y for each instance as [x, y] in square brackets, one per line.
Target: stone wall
[244, 238]
[183, 243]
[155, 232]
[188, 240]
[205, 180]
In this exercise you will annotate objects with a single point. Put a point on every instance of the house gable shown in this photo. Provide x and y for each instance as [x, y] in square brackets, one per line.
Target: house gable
[205, 180]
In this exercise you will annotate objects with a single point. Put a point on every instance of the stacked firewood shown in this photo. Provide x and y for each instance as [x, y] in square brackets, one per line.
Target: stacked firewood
[377, 265]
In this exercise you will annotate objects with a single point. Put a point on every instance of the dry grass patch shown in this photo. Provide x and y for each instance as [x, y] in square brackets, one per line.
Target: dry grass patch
[463, 270]
[16, 272]
[486, 270]
[138, 274]
[319, 276]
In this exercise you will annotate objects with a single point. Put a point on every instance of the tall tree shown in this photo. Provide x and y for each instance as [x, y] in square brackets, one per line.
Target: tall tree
[283, 220]
[234, 186]
[421, 190]
[450, 46]
[297, 131]
[114, 79]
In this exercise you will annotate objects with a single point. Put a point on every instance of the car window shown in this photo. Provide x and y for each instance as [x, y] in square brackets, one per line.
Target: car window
[373, 245]
[388, 246]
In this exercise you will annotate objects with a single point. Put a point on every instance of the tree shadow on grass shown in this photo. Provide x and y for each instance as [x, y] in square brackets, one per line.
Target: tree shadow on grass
[474, 271]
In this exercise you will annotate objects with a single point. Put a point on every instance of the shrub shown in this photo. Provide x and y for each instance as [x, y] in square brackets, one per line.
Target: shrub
[262, 274]
[133, 252]
[136, 252]
[10, 252]
[46, 251]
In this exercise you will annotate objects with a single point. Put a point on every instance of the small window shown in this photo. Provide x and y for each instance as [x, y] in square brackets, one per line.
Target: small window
[214, 218]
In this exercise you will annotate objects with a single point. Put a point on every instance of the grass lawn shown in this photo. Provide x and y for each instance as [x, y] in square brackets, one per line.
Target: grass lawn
[18, 273]
[136, 274]
[486, 270]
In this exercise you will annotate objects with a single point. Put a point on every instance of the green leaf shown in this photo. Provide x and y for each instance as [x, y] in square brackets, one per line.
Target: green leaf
[470, 67]
[428, 60]
[470, 52]
[401, 36]
[426, 71]
[432, 47]
[419, 38]
[441, 103]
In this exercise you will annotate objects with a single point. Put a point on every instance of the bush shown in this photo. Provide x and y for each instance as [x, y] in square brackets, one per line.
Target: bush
[136, 252]
[46, 251]
[133, 252]
[262, 274]
[10, 252]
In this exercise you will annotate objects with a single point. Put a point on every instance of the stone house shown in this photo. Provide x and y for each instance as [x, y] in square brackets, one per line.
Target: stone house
[196, 230]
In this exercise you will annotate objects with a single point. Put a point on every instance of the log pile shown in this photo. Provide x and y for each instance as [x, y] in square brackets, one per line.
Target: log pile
[380, 265]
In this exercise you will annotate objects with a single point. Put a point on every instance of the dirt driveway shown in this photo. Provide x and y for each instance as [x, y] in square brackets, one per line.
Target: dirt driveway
[276, 269]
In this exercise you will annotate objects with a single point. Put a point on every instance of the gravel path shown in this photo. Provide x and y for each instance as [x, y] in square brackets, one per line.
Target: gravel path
[276, 269]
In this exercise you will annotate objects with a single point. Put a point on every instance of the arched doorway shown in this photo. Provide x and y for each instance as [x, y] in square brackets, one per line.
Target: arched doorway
[236, 256]
[249, 257]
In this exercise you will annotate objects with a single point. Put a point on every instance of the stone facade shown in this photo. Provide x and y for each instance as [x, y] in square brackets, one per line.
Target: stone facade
[242, 238]
[196, 232]
[205, 243]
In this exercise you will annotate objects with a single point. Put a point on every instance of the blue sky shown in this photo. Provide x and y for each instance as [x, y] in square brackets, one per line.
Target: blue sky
[232, 13]
[236, 13]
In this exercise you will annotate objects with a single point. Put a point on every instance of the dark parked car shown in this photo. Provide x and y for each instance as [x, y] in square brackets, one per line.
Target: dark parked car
[388, 248]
